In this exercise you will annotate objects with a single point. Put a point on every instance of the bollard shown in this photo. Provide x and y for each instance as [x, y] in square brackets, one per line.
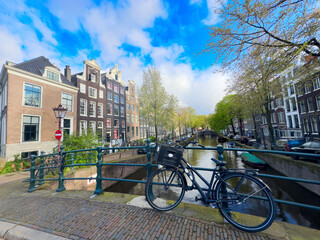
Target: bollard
[32, 174]
[41, 175]
[99, 189]
[61, 186]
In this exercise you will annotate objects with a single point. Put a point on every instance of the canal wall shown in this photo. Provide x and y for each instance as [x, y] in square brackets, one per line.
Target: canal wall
[294, 168]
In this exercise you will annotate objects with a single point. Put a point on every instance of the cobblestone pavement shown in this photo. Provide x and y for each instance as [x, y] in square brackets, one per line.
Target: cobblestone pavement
[77, 218]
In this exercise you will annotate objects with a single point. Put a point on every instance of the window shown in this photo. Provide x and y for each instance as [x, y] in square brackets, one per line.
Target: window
[273, 118]
[306, 125]
[300, 90]
[122, 111]
[116, 133]
[121, 90]
[137, 109]
[29, 154]
[123, 124]
[293, 104]
[116, 77]
[128, 106]
[67, 101]
[30, 128]
[108, 122]
[137, 131]
[92, 77]
[116, 98]
[92, 92]
[279, 102]
[100, 110]
[128, 118]
[318, 102]
[310, 104]
[83, 107]
[92, 109]
[314, 125]
[100, 94]
[109, 85]
[137, 119]
[109, 96]
[52, 75]
[128, 131]
[132, 118]
[302, 106]
[316, 83]
[66, 126]
[291, 89]
[307, 87]
[116, 123]
[92, 126]
[288, 105]
[132, 130]
[296, 121]
[290, 122]
[108, 135]
[281, 117]
[109, 108]
[32, 95]
[116, 110]
[132, 99]
[132, 108]
[82, 88]
[100, 129]
[116, 88]
[122, 100]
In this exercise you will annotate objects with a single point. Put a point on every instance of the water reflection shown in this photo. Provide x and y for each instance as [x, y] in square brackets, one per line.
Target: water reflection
[281, 189]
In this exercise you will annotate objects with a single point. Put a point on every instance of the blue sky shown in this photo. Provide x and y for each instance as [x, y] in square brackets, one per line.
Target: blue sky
[131, 33]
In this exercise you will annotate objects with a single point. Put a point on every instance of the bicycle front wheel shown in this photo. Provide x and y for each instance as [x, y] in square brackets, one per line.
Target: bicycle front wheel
[165, 189]
[245, 202]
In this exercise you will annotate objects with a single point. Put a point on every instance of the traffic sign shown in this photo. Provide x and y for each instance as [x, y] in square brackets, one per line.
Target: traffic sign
[58, 134]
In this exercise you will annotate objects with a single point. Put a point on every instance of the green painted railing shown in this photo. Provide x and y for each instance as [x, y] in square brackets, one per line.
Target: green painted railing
[67, 159]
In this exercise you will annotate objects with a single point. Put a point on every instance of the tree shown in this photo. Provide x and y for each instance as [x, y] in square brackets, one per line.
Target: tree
[155, 102]
[287, 26]
[201, 121]
[190, 117]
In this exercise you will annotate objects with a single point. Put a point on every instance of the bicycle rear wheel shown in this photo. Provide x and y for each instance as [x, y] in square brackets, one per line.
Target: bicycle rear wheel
[245, 202]
[165, 189]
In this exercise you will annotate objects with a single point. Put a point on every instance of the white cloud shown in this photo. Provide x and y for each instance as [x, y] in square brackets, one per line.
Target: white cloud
[213, 18]
[197, 2]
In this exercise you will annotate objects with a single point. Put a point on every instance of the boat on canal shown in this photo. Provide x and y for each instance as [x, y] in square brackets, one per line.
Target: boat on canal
[252, 160]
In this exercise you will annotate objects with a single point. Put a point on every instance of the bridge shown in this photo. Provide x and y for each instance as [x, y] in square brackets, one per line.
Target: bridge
[207, 133]
[100, 215]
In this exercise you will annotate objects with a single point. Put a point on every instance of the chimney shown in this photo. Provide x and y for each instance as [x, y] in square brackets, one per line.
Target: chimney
[67, 72]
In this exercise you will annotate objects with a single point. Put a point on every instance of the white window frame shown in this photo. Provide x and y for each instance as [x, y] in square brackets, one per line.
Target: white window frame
[24, 95]
[86, 107]
[94, 91]
[68, 99]
[318, 102]
[71, 124]
[93, 126]
[316, 83]
[85, 127]
[307, 88]
[309, 104]
[82, 88]
[100, 94]
[94, 114]
[100, 105]
[39, 130]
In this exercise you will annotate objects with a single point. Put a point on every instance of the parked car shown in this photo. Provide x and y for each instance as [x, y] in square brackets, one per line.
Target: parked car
[286, 144]
[308, 147]
[253, 143]
[144, 150]
[245, 140]
[237, 137]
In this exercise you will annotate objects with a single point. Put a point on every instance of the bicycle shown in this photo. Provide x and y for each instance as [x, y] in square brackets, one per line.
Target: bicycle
[237, 193]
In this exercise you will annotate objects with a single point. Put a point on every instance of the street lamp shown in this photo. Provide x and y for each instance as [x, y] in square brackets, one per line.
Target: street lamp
[59, 112]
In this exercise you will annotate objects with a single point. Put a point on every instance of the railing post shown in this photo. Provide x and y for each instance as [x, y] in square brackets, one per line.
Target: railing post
[61, 186]
[72, 161]
[32, 186]
[220, 151]
[149, 158]
[41, 175]
[99, 189]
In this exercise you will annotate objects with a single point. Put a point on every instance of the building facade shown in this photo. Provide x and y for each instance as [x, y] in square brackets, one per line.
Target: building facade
[132, 111]
[29, 92]
[91, 100]
[115, 106]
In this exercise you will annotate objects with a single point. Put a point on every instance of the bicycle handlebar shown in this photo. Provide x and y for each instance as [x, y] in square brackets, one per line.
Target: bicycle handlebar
[195, 143]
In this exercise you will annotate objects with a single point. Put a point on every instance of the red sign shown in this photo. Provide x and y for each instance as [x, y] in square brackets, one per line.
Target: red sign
[58, 134]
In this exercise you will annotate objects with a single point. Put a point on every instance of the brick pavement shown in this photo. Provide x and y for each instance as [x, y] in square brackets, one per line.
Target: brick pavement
[77, 218]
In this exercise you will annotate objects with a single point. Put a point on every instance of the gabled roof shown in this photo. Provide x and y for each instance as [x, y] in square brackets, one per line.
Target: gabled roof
[37, 66]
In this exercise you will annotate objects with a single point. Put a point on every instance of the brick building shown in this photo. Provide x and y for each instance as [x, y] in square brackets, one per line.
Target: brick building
[133, 132]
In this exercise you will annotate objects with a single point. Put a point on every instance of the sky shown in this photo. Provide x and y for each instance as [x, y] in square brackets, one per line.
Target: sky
[134, 34]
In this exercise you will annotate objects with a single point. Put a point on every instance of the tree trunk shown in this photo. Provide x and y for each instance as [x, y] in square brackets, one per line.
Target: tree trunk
[241, 130]
[233, 130]
[156, 130]
[255, 127]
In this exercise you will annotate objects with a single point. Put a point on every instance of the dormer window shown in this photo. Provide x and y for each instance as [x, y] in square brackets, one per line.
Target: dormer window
[116, 76]
[52, 76]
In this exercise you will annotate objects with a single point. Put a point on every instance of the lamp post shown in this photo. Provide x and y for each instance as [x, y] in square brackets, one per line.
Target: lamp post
[59, 112]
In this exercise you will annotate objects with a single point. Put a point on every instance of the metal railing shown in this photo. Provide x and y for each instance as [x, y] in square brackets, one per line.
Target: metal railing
[63, 159]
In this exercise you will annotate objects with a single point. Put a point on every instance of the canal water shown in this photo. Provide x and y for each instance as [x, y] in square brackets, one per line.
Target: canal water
[281, 189]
